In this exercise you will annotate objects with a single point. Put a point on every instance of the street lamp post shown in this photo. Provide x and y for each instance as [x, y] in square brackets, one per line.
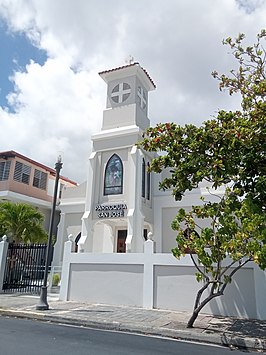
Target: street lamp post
[43, 304]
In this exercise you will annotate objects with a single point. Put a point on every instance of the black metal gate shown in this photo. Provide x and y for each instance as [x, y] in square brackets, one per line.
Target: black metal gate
[24, 268]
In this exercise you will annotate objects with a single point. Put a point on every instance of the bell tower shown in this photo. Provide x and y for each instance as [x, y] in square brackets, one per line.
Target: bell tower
[127, 96]
[118, 212]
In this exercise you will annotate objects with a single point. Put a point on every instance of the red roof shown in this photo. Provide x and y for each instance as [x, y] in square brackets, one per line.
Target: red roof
[127, 66]
[13, 154]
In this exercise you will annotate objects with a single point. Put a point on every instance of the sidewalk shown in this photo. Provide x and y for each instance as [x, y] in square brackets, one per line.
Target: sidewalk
[249, 334]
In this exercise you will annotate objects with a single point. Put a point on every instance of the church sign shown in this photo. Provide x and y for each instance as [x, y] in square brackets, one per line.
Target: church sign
[111, 211]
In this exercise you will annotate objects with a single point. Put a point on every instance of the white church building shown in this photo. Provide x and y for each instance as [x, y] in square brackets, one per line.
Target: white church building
[120, 204]
[115, 238]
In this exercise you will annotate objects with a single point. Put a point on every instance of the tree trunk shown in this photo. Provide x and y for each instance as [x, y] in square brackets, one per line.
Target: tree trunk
[192, 319]
[200, 305]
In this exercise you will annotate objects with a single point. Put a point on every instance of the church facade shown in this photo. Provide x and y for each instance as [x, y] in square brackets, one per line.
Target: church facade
[120, 205]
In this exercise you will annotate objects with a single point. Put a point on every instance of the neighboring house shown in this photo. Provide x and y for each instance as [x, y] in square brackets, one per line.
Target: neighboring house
[27, 181]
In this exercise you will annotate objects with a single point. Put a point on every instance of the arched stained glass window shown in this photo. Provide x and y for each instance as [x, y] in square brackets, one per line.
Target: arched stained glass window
[143, 178]
[113, 177]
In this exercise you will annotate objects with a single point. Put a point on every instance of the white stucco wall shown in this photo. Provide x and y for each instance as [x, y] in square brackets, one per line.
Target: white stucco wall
[70, 223]
[176, 287]
[152, 280]
[103, 239]
[115, 284]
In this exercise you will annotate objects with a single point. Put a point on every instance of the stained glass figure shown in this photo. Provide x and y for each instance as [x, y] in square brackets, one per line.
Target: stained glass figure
[113, 179]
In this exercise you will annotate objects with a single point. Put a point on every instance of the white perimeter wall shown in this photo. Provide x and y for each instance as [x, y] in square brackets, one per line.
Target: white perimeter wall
[153, 280]
[107, 283]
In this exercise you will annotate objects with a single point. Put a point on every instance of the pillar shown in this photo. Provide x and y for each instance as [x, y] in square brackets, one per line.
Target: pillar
[3, 255]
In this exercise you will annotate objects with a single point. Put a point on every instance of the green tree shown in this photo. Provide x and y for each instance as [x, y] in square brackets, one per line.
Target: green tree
[228, 151]
[22, 223]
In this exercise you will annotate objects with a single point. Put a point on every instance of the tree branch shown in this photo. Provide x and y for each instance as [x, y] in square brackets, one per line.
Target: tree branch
[233, 272]
[197, 267]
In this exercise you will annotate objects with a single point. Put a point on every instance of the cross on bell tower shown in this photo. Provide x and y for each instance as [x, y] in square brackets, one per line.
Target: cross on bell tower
[142, 97]
[120, 92]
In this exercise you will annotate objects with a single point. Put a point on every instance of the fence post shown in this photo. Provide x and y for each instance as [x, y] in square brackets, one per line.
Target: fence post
[260, 291]
[148, 278]
[69, 245]
[3, 255]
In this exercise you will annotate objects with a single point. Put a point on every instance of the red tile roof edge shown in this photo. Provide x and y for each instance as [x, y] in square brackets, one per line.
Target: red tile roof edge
[13, 154]
[127, 66]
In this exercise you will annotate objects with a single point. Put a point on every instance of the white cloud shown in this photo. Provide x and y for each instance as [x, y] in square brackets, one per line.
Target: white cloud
[56, 110]
[178, 42]
[250, 5]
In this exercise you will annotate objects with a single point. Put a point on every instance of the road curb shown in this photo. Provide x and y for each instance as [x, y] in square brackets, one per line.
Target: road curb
[224, 339]
[231, 340]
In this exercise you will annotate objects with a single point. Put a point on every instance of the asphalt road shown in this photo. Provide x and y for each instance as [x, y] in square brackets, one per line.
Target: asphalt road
[29, 337]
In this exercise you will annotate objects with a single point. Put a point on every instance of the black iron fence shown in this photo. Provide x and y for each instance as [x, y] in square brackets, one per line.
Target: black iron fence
[24, 268]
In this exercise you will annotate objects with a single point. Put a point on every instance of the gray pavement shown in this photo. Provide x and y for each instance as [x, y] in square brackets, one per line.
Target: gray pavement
[232, 332]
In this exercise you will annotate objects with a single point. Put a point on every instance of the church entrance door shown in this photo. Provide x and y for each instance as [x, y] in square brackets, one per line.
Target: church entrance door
[121, 240]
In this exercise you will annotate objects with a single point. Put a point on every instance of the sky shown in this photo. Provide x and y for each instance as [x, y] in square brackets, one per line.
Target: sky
[51, 96]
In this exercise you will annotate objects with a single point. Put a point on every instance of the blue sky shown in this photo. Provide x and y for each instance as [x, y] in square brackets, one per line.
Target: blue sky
[57, 102]
[17, 51]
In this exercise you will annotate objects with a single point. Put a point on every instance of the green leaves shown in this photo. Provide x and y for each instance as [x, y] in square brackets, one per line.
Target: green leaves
[197, 153]
[237, 230]
[228, 150]
[22, 223]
